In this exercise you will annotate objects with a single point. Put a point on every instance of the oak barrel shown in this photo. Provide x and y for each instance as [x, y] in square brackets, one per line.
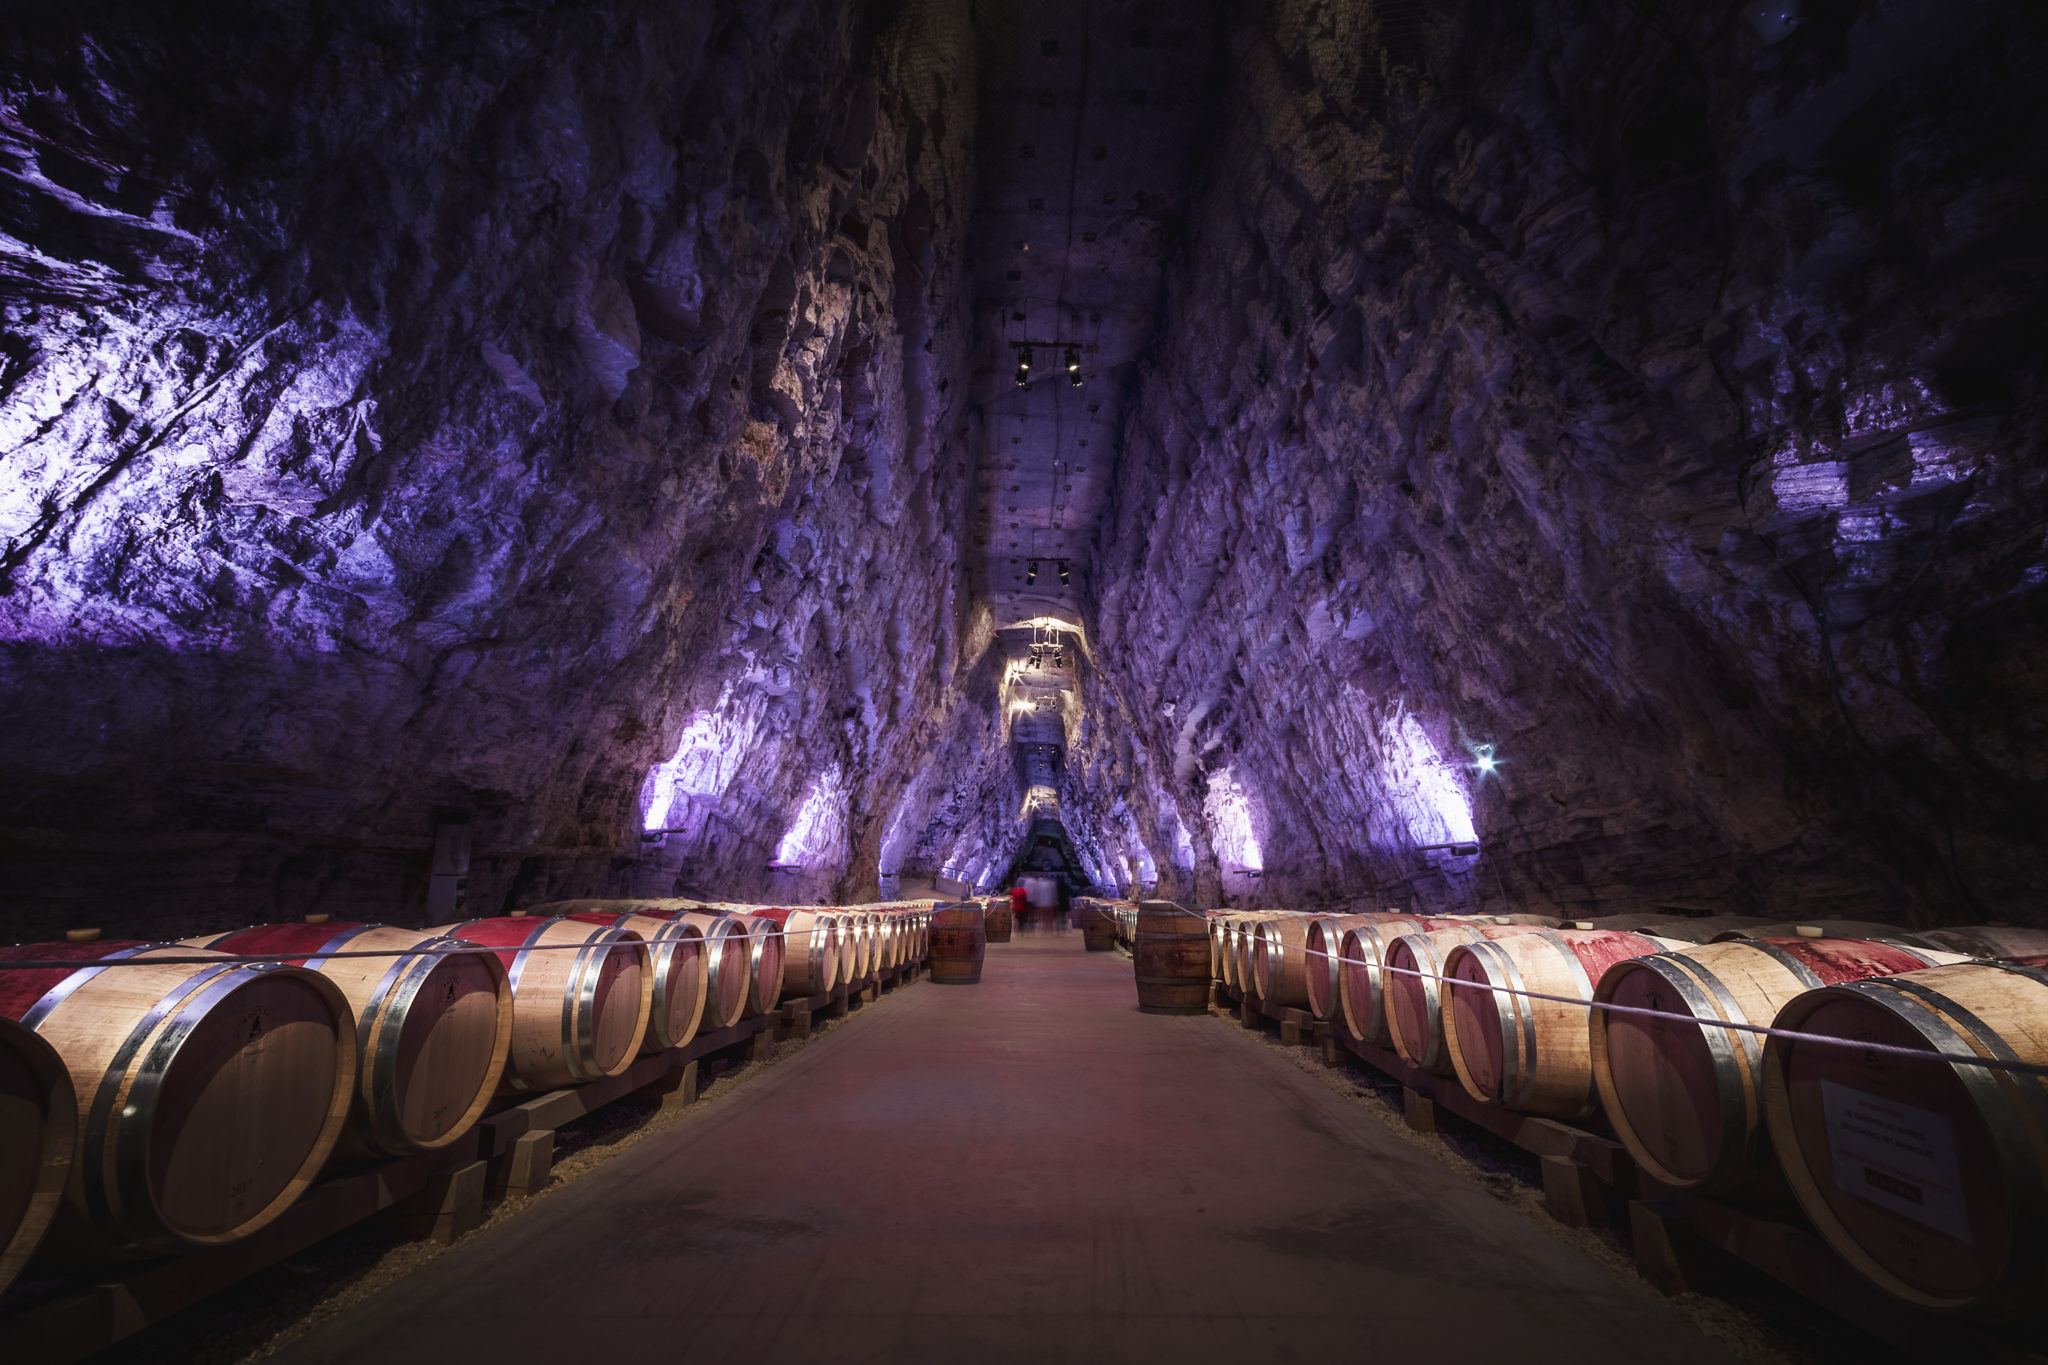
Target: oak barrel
[1098, 930]
[810, 951]
[1360, 988]
[1930, 1178]
[38, 1136]
[1687, 1100]
[582, 995]
[1415, 995]
[764, 962]
[1170, 959]
[432, 1030]
[1532, 1055]
[682, 974]
[208, 1095]
[2004, 942]
[1002, 921]
[959, 942]
[1279, 966]
[1325, 950]
[728, 965]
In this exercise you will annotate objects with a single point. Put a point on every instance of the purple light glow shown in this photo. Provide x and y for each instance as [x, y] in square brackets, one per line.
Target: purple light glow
[818, 836]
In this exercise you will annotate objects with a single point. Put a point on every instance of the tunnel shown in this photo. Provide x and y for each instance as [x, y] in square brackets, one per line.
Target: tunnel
[1099, 581]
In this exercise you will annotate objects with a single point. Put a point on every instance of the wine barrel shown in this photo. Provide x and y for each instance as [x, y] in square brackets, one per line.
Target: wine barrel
[1532, 1055]
[863, 940]
[38, 1136]
[764, 963]
[1826, 928]
[1414, 1007]
[1170, 959]
[1687, 1100]
[1098, 930]
[2003, 942]
[432, 1027]
[1678, 928]
[1243, 946]
[1324, 947]
[959, 942]
[208, 1095]
[728, 964]
[810, 951]
[1279, 966]
[1929, 1177]
[844, 938]
[1002, 921]
[582, 995]
[1360, 994]
[682, 974]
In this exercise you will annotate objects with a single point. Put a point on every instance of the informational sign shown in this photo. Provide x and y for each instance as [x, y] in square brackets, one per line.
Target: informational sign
[1896, 1156]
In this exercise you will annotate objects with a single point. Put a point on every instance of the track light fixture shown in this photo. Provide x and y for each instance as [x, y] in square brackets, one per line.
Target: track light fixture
[1073, 359]
[1031, 573]
[1065, 579]
[1023, 366]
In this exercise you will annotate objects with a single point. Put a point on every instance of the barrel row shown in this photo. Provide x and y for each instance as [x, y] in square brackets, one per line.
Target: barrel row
[1930, 1177]
[158, 1097]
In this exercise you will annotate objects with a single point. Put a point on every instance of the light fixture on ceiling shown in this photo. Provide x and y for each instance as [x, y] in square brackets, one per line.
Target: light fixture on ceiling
[1073, 359]
[1023, 366]
[1065, 578]
[1031, 574]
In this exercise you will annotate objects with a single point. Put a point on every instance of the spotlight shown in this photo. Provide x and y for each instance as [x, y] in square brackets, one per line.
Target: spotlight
[1073, 359]
[1023, 366]
[1031, 574]
[1482, 759]
[1065, 579]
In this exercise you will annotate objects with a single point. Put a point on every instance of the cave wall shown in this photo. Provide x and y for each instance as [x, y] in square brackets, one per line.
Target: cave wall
[417, 413]
[1650, 395]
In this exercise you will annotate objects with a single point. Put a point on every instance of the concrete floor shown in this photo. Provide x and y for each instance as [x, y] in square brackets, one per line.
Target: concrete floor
[1029, 1170]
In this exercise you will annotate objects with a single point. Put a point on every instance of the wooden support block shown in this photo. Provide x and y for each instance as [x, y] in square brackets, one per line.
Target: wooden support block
[451, 1205]
[796, 1021]
[1217, 999]
[870, 993]
[1331, 1047]
[526, 1167]
[1297, 1028]
[837, 1008]
[682, 1092]
[1669, 1250]
[1574, 1195]
[1419, 1110]
[1248, 1014]
[761, 1046]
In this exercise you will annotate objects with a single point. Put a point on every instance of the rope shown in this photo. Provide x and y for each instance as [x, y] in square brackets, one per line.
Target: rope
[1765, 1030]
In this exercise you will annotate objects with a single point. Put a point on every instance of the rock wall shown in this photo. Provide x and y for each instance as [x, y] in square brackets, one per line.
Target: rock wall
[422, 413]
[1647, 392]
